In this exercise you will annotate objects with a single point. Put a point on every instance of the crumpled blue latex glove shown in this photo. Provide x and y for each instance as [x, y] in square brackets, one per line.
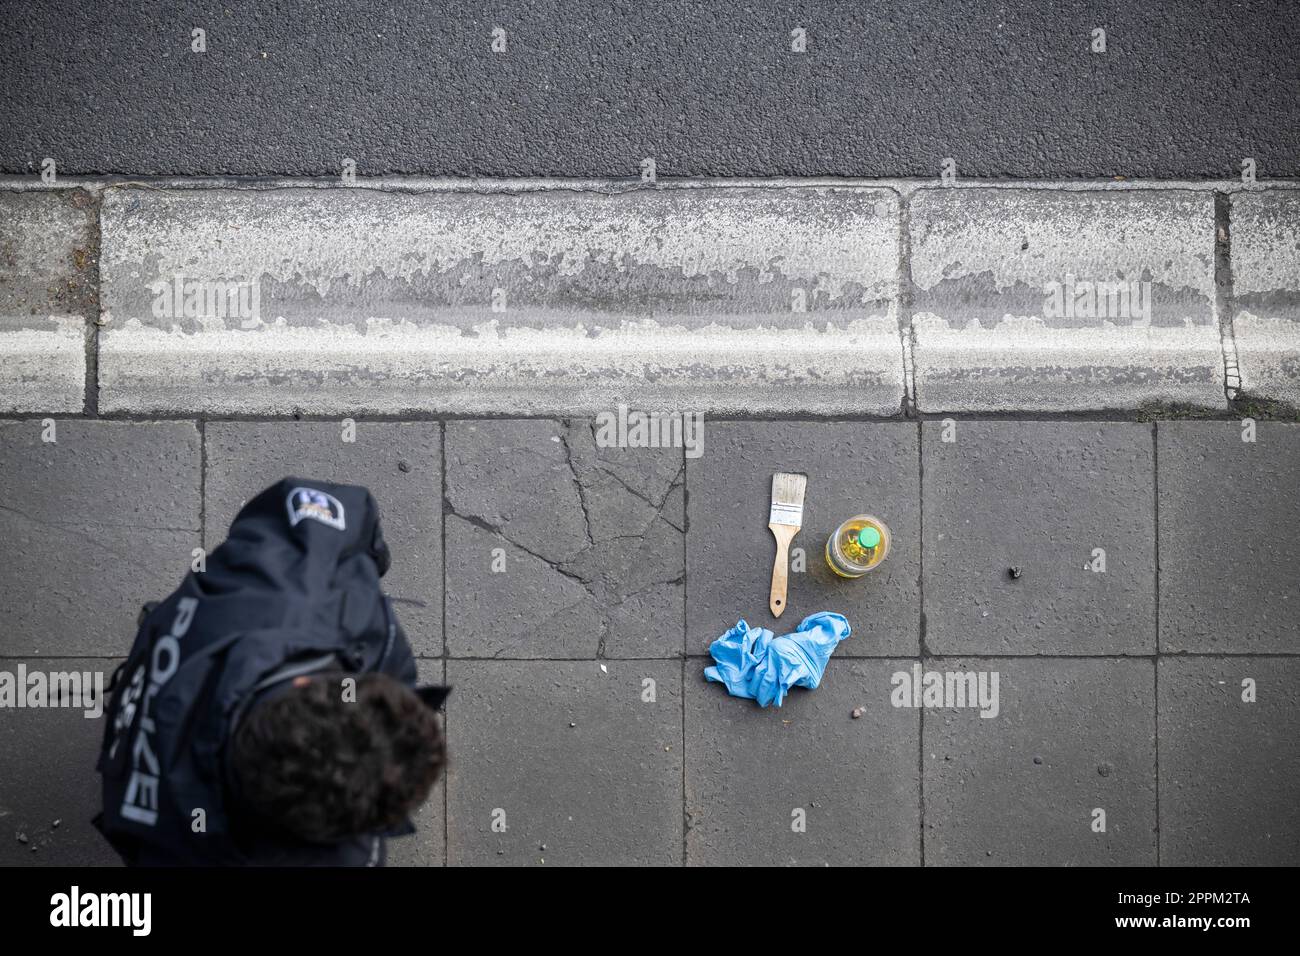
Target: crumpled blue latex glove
[755, 664]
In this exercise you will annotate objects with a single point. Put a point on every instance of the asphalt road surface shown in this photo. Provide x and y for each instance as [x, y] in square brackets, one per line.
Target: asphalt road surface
[1184, 89]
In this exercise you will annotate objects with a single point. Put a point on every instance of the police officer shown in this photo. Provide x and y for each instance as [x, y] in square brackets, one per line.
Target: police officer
[267, 712]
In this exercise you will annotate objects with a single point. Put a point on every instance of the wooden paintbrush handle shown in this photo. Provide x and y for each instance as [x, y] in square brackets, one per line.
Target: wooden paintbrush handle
[784, 534]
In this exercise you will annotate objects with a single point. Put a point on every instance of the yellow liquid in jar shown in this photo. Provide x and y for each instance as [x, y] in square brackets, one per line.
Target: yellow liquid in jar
[847, 556]
[853, 549]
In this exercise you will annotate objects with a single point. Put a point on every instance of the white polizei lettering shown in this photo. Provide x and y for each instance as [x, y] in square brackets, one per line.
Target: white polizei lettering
[140, 802]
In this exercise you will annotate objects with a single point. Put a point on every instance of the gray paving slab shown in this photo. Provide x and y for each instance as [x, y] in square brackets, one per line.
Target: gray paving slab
[1042, 498]
[481, 302]
[92, 525]
[428, 845]
[49, 791]
[47, 294]
[805, 784]
[1266, 292]
[852, 468]
[569, 760]
[1229, 537]
[399, 462]
[1071, 737]
[1045, 300]
[1229, 761]
[559, 548]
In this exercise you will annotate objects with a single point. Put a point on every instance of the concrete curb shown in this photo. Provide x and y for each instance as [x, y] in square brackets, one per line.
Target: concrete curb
[741, 297]
[1266, 293]
[47, 242]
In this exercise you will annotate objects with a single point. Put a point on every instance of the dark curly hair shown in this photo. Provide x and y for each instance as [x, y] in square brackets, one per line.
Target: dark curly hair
[325, 769]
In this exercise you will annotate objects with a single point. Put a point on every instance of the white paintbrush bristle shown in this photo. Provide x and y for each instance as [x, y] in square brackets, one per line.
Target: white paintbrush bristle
[787, 498]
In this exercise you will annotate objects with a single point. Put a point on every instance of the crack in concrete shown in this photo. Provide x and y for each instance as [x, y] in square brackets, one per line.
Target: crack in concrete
[565, 567]
[604, 582]
[632, 491]
[557, 567]
[582, 494]
[659, 505]
[610, 581]
[485, 525]
[680, 579]
[603, 467]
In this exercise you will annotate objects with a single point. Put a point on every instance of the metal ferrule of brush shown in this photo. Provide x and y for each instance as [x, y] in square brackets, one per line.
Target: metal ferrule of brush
[785, 514]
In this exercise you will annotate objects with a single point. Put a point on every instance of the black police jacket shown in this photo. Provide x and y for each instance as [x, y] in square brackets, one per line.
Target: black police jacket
[294, 590]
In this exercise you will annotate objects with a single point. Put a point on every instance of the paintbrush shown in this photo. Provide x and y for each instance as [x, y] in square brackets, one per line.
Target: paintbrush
[785, 520]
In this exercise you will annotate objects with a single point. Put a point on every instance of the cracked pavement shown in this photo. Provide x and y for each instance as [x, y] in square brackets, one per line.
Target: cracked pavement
[591, 539]
[569, 592]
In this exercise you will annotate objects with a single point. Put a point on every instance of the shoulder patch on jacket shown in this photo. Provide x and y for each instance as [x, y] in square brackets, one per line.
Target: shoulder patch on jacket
[310, 503]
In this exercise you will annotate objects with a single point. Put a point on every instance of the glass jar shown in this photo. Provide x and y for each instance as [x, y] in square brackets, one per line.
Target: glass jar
[857, 546]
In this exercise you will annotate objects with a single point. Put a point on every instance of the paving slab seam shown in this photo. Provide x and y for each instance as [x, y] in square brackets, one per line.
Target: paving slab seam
[686, 814]
[92, 320]
[202, 427]
[1223, 299]
[446, 724]
[1155, 485]
[493, 185]
[676, 658]
[700, 658]
[686, 603]
[923, 650]
[446, 510]
[60, 657]
[1155, 706]
[906, 296]
[1163, 655]
[1280, 412]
